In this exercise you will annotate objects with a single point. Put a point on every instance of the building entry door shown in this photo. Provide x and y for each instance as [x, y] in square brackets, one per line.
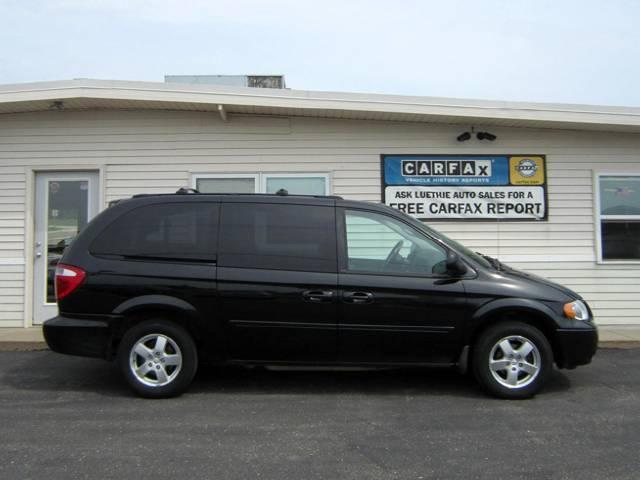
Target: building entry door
[64, 203]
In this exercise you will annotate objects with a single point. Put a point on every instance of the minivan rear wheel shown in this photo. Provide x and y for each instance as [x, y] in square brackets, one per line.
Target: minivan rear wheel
[158, 358]
[512, 360]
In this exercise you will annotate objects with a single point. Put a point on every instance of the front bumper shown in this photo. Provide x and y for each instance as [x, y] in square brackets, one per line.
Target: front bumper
[86, 338]
[576, 346]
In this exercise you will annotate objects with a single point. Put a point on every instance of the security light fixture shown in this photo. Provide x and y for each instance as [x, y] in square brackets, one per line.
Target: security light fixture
[463, 137]
[486, 136]
[57, 105]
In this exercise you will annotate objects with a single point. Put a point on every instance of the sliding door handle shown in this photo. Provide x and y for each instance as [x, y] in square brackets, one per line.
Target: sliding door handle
[358, 297]
[318, 296]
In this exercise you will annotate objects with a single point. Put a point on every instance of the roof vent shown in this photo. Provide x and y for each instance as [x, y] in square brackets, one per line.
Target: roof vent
[282, 192]
[254, 81]
[265, 81]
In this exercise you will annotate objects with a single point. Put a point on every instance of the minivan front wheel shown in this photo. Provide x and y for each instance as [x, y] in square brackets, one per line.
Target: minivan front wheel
[158, 359]
[512, 360]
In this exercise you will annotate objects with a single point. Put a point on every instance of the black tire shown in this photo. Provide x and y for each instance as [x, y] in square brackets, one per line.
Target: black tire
[499, 381]
[176, 359]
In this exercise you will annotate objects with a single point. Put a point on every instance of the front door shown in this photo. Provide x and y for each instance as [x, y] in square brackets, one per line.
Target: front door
[64, 203]
[397, 304]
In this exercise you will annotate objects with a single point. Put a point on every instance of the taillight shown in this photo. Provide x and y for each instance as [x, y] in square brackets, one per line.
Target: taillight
[68, 278]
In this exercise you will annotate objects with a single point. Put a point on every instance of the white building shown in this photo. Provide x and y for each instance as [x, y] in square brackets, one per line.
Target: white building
[68, 148]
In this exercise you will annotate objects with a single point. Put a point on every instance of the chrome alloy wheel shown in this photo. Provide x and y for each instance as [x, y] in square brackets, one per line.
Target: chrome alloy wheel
[514, 361]
[155, 360]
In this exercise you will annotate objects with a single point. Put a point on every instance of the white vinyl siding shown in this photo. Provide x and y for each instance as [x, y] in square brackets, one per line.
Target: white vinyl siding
[12, 206]
[159, 151]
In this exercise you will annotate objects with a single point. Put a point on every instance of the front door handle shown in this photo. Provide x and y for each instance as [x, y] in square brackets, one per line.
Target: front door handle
[318, 296]
[358, 297]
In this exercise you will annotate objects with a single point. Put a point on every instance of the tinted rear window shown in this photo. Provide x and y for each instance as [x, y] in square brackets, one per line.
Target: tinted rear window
[174, 231]
[278, 237]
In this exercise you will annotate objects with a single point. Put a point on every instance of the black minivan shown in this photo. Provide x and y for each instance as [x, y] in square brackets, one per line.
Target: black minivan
[163, 282]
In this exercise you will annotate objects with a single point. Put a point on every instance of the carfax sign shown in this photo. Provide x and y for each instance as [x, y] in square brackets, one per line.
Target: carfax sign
[477, 187]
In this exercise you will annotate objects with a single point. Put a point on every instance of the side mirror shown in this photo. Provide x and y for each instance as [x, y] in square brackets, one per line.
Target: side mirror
[455, 265]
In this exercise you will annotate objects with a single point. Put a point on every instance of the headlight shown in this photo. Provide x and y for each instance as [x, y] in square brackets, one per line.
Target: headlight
[576, 310]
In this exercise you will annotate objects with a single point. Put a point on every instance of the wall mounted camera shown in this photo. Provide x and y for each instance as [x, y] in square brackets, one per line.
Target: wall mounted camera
[463, 137]
[486, 136]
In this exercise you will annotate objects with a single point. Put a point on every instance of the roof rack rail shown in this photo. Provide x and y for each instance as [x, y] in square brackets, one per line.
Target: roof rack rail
[193, 191]
[186, 191]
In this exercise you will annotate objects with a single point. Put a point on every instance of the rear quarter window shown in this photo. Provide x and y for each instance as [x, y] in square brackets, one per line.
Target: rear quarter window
[174, 231]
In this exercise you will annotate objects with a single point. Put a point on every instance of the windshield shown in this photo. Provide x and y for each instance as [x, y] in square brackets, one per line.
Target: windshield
[450, 242]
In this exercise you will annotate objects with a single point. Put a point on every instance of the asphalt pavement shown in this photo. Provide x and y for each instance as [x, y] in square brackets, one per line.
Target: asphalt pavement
[68, 417]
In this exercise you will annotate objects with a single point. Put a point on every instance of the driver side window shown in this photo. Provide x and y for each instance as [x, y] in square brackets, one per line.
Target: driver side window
[379, 243]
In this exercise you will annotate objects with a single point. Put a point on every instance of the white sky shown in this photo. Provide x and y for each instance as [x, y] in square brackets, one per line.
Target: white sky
[539, 50]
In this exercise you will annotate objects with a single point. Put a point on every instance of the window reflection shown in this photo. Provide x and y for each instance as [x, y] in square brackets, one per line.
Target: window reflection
[67, 214]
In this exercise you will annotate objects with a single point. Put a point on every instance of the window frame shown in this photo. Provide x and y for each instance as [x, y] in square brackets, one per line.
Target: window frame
[343, 260]
[260, 178]
[597, 176]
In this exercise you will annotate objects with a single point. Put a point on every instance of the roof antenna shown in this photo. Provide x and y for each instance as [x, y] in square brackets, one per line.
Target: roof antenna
[282, 192]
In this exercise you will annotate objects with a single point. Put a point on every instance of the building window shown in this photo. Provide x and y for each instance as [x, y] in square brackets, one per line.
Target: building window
[226, 183]
[294, 183]
[619, 217]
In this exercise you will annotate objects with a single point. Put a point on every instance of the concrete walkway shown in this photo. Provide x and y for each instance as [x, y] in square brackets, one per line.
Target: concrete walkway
[33, 334]
[619, 334]
[32, 339]
[16, 339]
